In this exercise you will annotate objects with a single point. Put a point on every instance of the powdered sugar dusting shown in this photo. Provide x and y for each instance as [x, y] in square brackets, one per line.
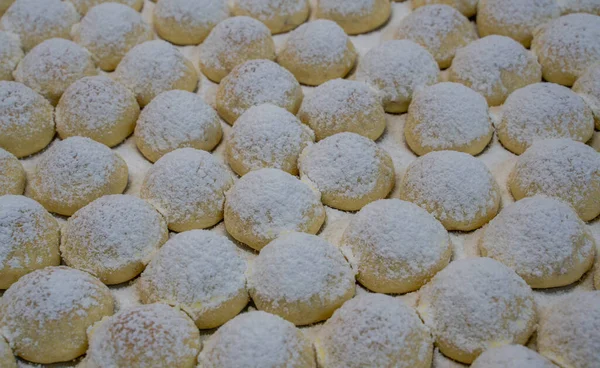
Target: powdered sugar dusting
[10, 54]
[511, 356]
[193, 13]
[320, 42]
[264, 10]
[12, 174]
[23, 110]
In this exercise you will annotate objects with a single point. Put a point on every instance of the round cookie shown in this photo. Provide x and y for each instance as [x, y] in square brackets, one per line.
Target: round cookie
[188, 187]
[267, 136]
[26, 119]
[12, 174]
[349, 170]
[560, 168]
[511, 356]
[395, 259]
[278, 15]
[113, 238]
[456, 188]
[475, 304]
[188, 22]
[109, 31]
[318, 51]
[448, 116]
[153, 67]
[7, 359]
[543, 111]
[567, 46]
[268, 202]
[257, 339]
[569, 330]
[580, 6]
[301, 278]
[542, 239]
[440, 29]
[176, 119]
[150, 336]
[98, 108]
[52, 66]
[374, 330]
[588, 87]
[37, 20]
[233, 42]
[45, 315]
[257, 82]
[200, 272]
[83, 6]
[10, 54]
[397, 69]
[495, 66]
[516, 19]
[355, 16]
[468, 8]
[74, 172]
[341, 105]
[30, 238]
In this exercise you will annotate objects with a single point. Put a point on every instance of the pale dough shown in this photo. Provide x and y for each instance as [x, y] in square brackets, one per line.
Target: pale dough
[10, 54]
[12, 174]
[588, 87]
[355, 16]
[278, 15]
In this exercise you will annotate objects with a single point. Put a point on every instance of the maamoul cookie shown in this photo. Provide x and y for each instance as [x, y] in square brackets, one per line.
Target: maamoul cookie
[176, 119]
[475, 304]
[188, 22]
[511, 356]
[355, 16]
[188, 187]
[341, 105]
[109, 31]
[98, 108]
[26, 119]
[10, 54]
[567, 46]
[233, 42]
[37, 20]
[74, 172]
[395, 246]
[30, 238]
[468, 8]
[349, 170]
[440, 29]
[268, 202]
[300, 277]
[397, 69]
[267, 136]
[83, 6]
[257, 82]
[448, 116]
[456, 188]
[588, 87]
[7, 358]
[278, 15]
[257, 339]
[560, 168]
[52, 66]
[45, 315]
[113, 238]
[580, 6]
[149, 336]
[569, 330]
[374, 330]
[543, 111]
[495, 66]
[12, 174]
[200, 272]
[153, 67]
[318, 51]
[542, 239]
[516, 19]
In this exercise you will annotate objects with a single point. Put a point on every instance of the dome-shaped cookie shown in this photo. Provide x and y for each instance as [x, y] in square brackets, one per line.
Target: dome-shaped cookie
[7, 358]
[10, 54]
[588, 87]
[12, 174]
[300, 277]
[468, 8]
[355, 16]
[511, 356]
[278, 15]
[202, 273]
[83, 6]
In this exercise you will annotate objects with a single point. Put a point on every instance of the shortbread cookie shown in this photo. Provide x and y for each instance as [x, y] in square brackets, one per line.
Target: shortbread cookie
[511, 356]
[7, 358]
[12, 174]
[588, 87]
[355, 16]
[278, 15]
[10, 54]
[83, 6]
[468, 8]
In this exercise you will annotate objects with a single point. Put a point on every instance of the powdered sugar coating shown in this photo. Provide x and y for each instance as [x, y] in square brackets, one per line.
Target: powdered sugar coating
[474, 304]
[588, 87]
[397, 69]
[543, 111]
[153, 336]
[257, 340]
[300, 277]
[355, 16]
[12, 174]
[278, 15]
[511, 356]
[468, 8]
[7, 359]
[579, 6]
[10, 54]
[83, 6]
[374, 330]
[113, 237]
